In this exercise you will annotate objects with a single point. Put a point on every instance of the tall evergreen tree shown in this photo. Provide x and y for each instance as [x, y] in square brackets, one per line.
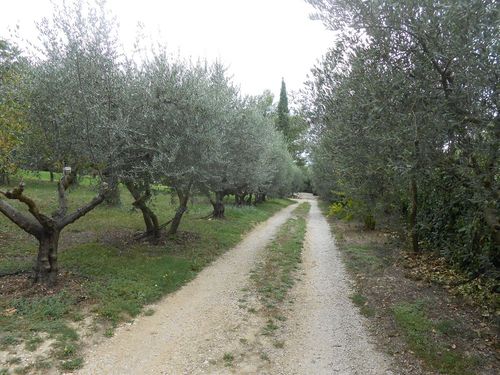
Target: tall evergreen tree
[283, 118]
[292, 126]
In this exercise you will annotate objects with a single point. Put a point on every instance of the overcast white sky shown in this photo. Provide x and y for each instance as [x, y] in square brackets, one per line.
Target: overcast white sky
[260, 40]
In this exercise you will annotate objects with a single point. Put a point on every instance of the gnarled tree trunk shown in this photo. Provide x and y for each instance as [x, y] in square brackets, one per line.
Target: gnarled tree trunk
[114, 199]
[141, 197]
[45, 269]
[239, 199]
[260, 197]
[113, 196]
[183, 196]
[414, 190]
[46, 229]
[413, 215]
[218, 205]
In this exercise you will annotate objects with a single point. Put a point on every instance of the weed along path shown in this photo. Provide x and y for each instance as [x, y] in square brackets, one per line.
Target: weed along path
[324, 332]
[190, 328]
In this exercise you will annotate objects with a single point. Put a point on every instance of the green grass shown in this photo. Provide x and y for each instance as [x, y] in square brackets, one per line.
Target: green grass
[228, 359]
[264, 356]
[418, 330]
[45, 176]
[8, 340]
[113, 279]
[359, 258]
[72, 364]
[22, 370]
[14, 361]
[448, 327]
[363, 258]
[33, 342]
[269, 328]
[362, 302]
[34, 315]
[274, 276]
[42, 364]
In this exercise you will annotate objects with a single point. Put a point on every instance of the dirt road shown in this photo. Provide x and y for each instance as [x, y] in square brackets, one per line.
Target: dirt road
[190, 327]
[204, 329]
[325, 334]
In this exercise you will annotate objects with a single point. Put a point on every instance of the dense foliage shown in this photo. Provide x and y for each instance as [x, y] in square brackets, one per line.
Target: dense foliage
[405, 113]
[12, 107]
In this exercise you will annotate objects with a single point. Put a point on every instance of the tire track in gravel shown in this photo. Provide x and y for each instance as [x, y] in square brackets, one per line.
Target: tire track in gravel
[322, 332]
[325, 333]
[190, 329]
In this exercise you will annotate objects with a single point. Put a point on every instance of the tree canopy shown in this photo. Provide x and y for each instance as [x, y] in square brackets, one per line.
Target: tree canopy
[405, 111]
[13, 106]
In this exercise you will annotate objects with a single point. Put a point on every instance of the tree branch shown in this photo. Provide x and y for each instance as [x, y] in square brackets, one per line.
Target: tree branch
[24, 222]
[82, 211]
[62, 186]
[17, 194]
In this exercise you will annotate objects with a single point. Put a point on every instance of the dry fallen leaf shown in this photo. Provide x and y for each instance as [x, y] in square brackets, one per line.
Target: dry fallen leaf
[9, 312]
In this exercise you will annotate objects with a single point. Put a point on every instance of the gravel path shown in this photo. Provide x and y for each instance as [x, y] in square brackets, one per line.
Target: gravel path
[208, 327]
[190, 328]
[325, 334]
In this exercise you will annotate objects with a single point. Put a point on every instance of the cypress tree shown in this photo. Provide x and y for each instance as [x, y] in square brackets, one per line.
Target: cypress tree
[283, 118]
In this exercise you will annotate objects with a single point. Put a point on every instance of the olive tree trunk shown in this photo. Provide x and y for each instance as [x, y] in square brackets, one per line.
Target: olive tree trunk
[142, 194]
[414, 189]
[183, 195]
[4, 178]
[218, 205]
[260, 197]
[46, 229]
[46, 269]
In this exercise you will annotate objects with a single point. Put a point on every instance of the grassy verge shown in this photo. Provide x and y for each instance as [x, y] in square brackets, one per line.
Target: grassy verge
[274, 276]
[103, 273]
[420, 323]
[428, 339]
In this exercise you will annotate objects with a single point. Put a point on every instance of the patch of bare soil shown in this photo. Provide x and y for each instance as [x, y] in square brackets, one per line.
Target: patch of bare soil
[4, 238]
[21, 285]
[180, 239]
[70, 238]
[398, 280]
[124, 238]
[118, 238]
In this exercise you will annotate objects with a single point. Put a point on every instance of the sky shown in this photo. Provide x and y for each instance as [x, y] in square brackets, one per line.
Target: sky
[261, 41]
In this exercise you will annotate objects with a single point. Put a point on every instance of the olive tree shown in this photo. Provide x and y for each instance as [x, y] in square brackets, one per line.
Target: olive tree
[174, 130]
[46, 228]
[76, 89]
[75, 109]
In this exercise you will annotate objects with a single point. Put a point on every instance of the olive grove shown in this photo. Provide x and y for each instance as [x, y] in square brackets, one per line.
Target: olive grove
[71, 90]
[145, 122]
